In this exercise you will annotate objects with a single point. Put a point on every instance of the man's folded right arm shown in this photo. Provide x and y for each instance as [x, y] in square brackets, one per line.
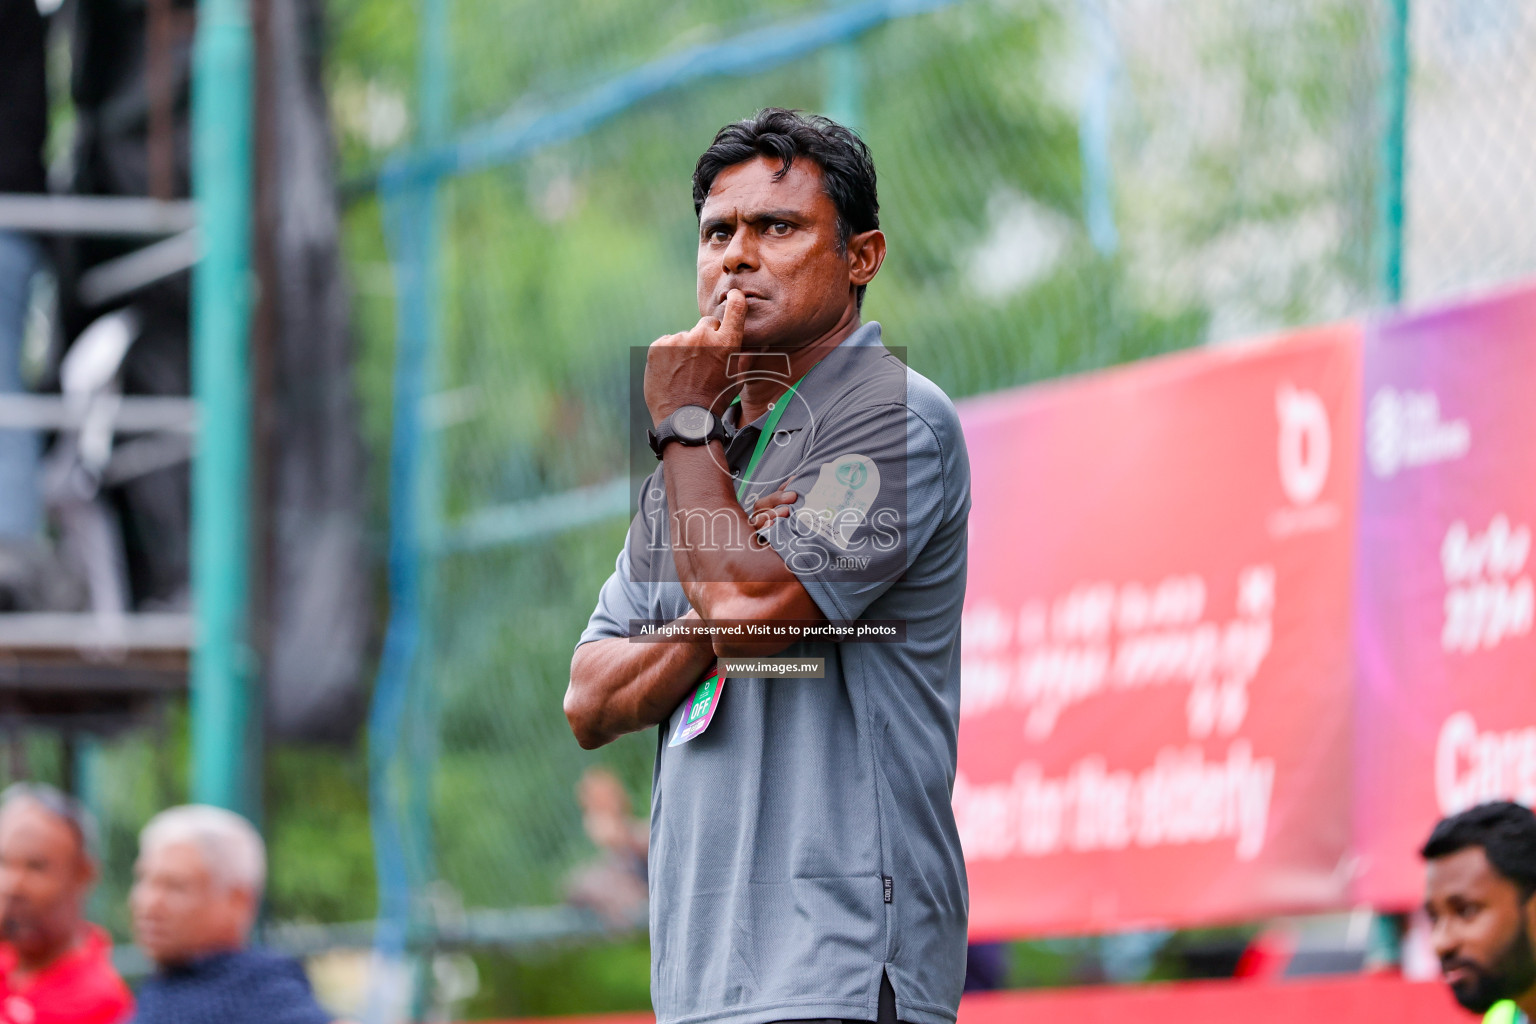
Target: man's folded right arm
[619, 686]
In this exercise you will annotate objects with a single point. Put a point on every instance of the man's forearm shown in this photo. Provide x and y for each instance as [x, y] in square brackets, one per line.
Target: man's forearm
[732, 581]
[725, 575]
[619, 687]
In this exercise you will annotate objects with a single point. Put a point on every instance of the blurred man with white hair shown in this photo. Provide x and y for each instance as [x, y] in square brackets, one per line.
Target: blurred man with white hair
[197, 886]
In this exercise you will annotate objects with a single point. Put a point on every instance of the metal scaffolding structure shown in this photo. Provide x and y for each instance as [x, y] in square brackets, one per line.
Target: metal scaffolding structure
[74, 669]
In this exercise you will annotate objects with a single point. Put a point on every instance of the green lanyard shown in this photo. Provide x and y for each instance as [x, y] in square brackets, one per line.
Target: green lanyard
[775, 413]
[706, 697]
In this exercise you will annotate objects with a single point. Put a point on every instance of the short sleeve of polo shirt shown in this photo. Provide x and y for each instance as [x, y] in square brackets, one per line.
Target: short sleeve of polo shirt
[871, 492]
[643, 584]
[618, 602]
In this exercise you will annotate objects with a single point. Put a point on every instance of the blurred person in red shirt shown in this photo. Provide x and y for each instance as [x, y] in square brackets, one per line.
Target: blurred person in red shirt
[55, 967]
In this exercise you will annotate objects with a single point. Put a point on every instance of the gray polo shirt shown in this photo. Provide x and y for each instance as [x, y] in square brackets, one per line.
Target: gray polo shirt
[805, 842]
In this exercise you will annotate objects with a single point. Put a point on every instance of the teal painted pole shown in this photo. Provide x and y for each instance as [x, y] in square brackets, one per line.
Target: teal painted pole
[222, 662]
[434, 102]
[843, 66]
[87, 770]
[1390, 210]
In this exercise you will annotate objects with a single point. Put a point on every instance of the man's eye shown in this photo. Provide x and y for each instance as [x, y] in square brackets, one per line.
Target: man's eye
[778, 227]
[718, 235]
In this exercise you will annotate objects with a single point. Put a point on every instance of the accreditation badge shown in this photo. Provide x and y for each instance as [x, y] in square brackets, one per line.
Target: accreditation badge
[699, 710]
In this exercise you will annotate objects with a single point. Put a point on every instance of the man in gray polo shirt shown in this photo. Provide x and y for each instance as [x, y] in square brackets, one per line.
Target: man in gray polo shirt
[804, 858]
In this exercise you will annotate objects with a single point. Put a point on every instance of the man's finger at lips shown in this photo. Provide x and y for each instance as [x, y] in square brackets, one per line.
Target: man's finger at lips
[733, 317]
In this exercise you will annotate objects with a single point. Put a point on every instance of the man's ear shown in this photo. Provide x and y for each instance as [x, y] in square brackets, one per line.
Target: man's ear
[247, 906]
[86, 872]
[866, 251]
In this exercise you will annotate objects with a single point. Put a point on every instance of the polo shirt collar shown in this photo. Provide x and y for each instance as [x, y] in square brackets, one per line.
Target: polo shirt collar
[797, 415]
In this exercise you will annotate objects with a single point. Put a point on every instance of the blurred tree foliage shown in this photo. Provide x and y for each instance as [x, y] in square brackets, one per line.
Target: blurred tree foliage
[558, 981]
[319, 847]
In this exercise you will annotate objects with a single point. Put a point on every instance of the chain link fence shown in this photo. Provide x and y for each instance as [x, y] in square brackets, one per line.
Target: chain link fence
[1471, 147]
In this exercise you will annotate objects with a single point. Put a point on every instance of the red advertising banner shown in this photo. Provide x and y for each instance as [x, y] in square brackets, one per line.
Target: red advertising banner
[1343, 1000]
[1446, 659]
[1155, 711]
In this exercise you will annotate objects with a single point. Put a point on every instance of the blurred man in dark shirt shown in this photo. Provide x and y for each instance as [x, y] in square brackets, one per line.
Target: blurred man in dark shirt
[55, 967]
[197, 886]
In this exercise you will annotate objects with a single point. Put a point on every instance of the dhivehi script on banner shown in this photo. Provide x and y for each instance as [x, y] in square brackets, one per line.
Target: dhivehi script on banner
[1446, 656]
[1155, 706]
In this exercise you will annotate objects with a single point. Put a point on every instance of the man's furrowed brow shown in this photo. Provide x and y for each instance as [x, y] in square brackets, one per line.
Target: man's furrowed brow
[789, 214]
[709, 221]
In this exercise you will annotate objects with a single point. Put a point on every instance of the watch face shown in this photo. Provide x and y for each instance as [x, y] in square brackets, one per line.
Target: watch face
[692, 422]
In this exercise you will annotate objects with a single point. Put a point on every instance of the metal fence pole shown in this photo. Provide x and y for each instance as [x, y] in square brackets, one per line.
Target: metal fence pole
[844, 69]
[221, 300]
[845, 84]
[1395, 73]
[434, 105]
[402, 722]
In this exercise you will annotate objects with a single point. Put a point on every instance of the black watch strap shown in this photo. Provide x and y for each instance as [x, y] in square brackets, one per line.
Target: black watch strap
[668, 430]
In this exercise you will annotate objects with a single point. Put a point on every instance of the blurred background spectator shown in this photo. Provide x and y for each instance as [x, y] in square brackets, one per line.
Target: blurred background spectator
[196, 891]
[614, 883]
[55, 967]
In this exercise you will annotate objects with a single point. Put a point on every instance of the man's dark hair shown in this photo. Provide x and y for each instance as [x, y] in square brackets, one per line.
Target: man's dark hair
[847, 170]
[59, 804]
[1507, 833]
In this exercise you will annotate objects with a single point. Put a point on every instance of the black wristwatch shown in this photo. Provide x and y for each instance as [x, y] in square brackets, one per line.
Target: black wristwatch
[691, 425]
